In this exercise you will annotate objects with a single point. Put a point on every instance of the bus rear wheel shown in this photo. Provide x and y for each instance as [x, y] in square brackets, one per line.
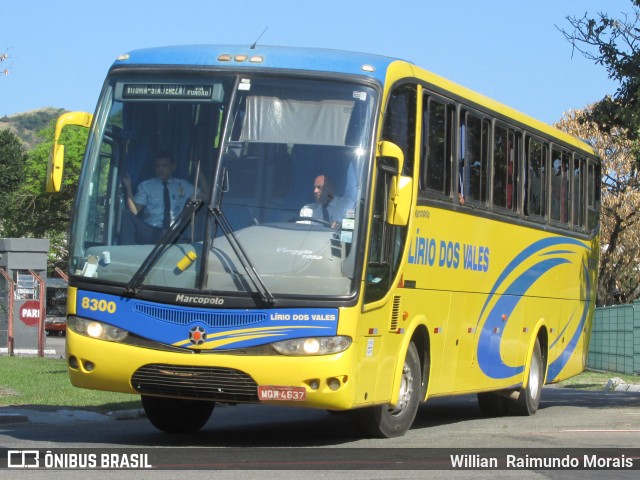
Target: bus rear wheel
[529, 397]
[384, 421]
[177, 415]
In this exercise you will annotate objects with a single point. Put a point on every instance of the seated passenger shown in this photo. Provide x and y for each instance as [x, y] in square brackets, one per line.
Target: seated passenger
[328, 207]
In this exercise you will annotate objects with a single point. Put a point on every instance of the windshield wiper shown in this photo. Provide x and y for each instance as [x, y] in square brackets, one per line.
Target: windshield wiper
[168, 237]
[252, 273]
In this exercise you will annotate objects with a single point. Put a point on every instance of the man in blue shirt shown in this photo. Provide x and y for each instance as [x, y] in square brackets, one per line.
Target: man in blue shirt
[157, 202]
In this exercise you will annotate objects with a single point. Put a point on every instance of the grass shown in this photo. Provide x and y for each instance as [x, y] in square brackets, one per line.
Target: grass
[44, 382]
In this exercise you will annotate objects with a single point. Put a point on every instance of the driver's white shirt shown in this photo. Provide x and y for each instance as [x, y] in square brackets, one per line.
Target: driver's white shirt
[151, 194]
[337, 209]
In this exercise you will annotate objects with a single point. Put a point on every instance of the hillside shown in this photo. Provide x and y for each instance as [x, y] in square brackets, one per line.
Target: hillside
[26, 125]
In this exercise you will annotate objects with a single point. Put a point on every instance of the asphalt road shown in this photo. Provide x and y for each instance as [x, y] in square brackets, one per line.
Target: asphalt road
[254, 441]
[254, 436]
[567, 418]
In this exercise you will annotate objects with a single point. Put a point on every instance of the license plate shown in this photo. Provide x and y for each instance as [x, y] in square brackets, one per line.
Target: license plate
[285, 394]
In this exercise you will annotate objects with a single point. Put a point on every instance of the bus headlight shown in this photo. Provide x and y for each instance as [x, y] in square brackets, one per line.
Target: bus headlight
[313, 345]
[94, 329]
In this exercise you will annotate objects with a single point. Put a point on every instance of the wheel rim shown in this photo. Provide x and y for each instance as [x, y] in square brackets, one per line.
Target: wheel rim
[406, 391]
[534, 378]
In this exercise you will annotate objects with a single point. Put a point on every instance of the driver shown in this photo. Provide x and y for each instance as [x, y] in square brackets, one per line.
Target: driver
[328, 207]
[157, 203]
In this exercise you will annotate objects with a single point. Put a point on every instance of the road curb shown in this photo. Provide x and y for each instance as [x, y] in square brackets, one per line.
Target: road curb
[127, 414]
[618, 385]
[11, 418]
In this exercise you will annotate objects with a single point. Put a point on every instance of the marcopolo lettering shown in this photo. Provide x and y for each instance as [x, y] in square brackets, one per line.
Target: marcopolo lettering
[199, 300]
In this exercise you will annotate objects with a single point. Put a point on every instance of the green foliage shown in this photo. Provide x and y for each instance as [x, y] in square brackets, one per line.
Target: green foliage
[12, 161]
[27, 125]
[35, 121]
[613, 43]
[30, 211]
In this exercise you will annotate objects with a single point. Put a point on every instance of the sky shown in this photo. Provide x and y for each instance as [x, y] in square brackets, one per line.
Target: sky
[510, 50]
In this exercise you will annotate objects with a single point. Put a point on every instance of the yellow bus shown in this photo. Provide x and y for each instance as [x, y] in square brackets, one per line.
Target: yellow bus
[322, 229]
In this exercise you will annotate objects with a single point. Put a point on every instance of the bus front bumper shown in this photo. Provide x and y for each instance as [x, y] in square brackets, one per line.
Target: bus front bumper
[323, 381]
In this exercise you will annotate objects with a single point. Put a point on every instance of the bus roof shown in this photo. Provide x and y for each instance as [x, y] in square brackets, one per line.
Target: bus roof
[322, 60]
[313, 59]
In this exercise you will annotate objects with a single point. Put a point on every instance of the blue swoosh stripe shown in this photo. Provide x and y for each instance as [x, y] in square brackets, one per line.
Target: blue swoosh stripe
[489, 343]
[521, 257]
[559, 363]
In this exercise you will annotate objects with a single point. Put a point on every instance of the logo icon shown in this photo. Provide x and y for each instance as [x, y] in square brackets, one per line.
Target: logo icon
[23, 459]
[197, 335]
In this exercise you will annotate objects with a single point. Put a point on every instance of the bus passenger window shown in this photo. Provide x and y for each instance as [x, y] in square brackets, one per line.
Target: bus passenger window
[536, 171]
[578, 192]
[436, 157]
[560, 185]
[476, 158]
[505, 168]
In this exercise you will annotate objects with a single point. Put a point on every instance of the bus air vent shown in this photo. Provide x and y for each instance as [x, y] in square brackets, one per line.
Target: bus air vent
[395, 314]
[203, 383]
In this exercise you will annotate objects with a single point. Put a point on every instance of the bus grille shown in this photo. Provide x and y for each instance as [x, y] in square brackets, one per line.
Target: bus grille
[187, 316]
[205, 383]
[395, 314]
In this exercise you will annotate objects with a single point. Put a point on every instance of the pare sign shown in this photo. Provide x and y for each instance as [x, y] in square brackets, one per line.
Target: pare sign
[29, 313]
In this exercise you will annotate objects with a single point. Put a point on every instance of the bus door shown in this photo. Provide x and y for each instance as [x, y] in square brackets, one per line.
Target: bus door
[386, 248]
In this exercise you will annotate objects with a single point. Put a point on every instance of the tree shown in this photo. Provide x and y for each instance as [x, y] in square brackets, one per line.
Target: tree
[619, 220]
[12, 161]
[613, 43]
[31, 212]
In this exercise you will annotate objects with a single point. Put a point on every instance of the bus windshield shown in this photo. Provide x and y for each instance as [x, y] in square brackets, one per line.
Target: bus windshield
[225, 184]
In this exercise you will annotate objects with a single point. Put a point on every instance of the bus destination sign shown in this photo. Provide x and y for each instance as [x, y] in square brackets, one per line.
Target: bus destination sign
[165, 91]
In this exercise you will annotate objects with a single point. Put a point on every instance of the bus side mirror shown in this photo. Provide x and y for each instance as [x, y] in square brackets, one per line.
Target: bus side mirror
[55, 166]
[391, 161]
[399, 206]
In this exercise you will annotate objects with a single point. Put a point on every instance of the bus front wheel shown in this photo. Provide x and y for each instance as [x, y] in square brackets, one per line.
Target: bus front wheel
[384, 421]
[176, 415]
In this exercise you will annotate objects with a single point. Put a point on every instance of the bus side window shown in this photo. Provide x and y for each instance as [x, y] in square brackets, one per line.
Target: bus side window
[475, 162]
[560, 185]
[506, 145]
[435, 172]
[400, 123]
[579, 165]
[537, 153]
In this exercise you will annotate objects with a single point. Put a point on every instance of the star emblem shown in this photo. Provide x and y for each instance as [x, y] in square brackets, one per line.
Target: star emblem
[197, 335]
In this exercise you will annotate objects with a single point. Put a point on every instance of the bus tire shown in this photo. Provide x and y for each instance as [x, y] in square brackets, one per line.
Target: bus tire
[493, 404]
[529, 397]
[177, 415]
[383, 421]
